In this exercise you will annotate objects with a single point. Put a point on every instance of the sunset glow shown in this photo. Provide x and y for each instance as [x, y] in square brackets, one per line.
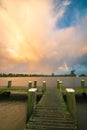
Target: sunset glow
[41, 36]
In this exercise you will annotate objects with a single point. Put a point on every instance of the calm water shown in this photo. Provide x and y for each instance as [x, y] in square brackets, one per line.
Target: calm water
[13, 109]
[51, 81]
[13, 112]
[82, 111]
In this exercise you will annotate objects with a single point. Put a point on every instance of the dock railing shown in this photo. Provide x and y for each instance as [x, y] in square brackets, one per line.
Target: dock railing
[70, 101]
[32, 96]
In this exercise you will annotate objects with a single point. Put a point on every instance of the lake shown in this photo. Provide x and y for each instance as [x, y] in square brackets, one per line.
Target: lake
[13, 112]
[13, 109]
[51, 81]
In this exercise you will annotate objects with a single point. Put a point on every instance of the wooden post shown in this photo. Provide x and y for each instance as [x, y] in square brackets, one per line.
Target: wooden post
[44, 87]
[71, 103]
[9, 84]
[35, 84]
[9, 87]
[31, 101]
[82, 83]
[58, 83]
[29, 84]
[83, 87]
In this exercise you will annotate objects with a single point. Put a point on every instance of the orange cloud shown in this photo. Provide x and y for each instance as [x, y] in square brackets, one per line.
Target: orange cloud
[29, 36]
[84, 50]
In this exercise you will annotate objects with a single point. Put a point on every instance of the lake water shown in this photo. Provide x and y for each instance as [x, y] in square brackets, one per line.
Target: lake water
[51, 81]
[13, 112]
[13, 109]
[82, 111]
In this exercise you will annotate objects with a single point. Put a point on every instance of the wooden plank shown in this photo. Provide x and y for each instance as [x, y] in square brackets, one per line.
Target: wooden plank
[51, 113]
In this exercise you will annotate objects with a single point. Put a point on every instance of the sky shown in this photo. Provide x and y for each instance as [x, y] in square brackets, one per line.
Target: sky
[43, 36]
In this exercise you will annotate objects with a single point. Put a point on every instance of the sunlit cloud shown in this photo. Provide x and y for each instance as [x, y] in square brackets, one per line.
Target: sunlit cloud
[32, 42]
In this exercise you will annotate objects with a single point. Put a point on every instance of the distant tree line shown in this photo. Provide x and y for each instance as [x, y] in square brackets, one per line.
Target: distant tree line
[72, 74]
[21, 75]
[13, 75]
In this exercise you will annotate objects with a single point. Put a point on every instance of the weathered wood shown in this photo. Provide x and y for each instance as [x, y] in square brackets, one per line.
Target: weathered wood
[71, 103]
[83, 87]
[9, 87]
[44, 87]
[35, 84]
[6, 91]
[31, 101]
[60, 86]
[29, 84]
[9, 84]
[82, 83]
[51, 113]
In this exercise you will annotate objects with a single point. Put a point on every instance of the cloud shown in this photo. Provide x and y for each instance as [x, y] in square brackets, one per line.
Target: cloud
[31, 42]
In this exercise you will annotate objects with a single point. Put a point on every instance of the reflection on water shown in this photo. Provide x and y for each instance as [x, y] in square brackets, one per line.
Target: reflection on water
[82, 111]
[13, 112]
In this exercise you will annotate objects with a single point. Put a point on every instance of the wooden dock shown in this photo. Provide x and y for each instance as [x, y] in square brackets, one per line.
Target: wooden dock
[51, 113]
[2, 90]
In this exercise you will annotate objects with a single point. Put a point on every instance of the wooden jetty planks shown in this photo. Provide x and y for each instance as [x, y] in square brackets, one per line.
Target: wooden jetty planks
[51, 113]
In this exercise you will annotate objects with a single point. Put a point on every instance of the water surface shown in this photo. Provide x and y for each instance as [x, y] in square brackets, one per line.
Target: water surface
[82, 111]
[13, 109]
[13, 112]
